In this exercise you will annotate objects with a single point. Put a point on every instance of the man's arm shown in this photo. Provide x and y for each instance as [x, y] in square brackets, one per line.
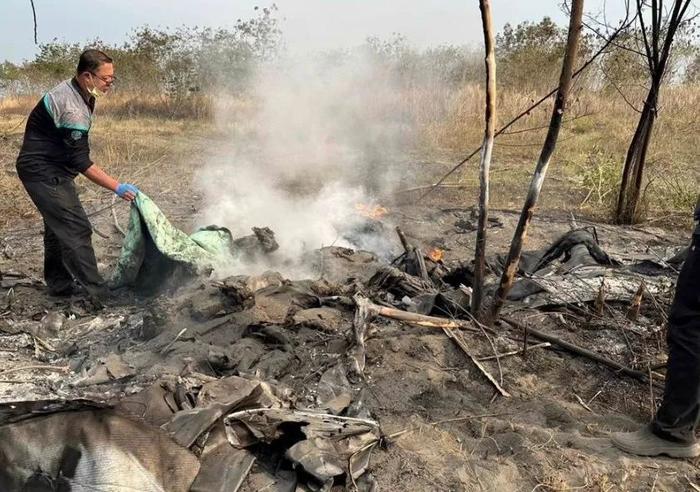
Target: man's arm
[95, 174]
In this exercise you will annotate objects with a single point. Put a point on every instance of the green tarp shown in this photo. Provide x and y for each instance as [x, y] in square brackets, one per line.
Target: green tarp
[154, 249]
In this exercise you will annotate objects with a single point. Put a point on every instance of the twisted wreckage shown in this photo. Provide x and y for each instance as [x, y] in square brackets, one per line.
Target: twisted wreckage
[258, 382]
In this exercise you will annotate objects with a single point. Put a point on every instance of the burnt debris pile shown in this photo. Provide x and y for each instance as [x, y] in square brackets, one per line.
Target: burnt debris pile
[258, 382]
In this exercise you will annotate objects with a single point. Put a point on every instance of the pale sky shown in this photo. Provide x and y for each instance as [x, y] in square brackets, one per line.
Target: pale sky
[308, 25]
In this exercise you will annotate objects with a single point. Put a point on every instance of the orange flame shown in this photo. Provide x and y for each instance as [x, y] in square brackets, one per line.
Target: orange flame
[436, 254]
[371, 211]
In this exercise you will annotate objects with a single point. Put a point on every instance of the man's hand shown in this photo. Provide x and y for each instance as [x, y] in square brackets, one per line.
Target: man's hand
[126, 191]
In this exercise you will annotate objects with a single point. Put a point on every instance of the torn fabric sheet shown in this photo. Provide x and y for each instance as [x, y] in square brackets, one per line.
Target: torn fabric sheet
[153, 248]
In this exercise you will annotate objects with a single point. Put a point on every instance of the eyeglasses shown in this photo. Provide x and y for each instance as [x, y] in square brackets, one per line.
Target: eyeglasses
[107, 79]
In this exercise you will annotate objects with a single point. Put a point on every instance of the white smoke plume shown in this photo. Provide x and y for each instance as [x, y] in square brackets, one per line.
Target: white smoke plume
[322, 140]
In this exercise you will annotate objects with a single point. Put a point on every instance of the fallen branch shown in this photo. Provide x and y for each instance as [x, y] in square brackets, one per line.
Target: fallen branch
[434, 185]
[575, 349]
[400, 433]
[99, 233]
[515, 352]
[417, 319]
[177, 337]
[583, 403]
[365, 309]
[457, 338]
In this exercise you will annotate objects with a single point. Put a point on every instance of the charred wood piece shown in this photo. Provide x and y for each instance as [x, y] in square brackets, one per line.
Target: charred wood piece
[399, 283]
[636, 304]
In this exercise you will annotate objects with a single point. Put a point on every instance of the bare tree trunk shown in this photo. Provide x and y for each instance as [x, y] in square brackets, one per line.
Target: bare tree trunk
[486, 151]
[516, 245]
[633, 173]
[657, 46]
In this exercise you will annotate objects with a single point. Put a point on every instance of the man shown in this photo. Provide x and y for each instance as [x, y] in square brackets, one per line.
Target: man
[54, 151]
[673, 430]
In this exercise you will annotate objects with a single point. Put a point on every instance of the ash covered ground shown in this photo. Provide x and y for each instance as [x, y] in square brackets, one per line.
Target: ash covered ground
[441, 424]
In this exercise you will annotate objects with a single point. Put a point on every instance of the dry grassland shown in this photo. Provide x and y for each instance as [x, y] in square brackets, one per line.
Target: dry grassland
[154, 140]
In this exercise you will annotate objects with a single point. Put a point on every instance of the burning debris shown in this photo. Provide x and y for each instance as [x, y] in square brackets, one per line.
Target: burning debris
[374, 212]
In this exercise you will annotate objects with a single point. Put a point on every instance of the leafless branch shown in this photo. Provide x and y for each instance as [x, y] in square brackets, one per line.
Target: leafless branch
[623, 27]
[647, 47]
[620, 92]
[36, 40]
[612, 43]
[542, 127]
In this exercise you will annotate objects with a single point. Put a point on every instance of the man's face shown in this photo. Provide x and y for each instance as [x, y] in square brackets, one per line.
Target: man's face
[103, 77]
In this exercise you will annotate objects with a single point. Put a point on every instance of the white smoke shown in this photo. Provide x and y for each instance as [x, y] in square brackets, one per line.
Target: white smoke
[321, 140]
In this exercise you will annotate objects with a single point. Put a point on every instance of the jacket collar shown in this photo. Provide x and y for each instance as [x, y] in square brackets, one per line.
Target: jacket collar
[89, 100]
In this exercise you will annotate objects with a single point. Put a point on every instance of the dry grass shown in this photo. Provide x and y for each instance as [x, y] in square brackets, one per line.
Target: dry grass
[585, 172]
[151, 140]
[128, 105]
[155, 153]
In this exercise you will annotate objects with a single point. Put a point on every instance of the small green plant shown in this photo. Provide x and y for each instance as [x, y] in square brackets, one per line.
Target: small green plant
[600, 177]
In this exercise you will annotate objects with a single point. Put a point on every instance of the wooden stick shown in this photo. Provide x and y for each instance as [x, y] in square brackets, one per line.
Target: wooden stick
[583, 403]
[417, 319]
[177, 337]
[365, 308]
[485, 163]
[434, 185]
[516, 352]
[404, 242]
[422, 269]
[575, 349]
[516, 245]
[457, 338]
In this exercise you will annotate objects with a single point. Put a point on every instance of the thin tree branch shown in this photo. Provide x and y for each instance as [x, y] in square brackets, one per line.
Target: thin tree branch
[619, 91]
[542, 127]
[647, 48]
[623, 27]
[35, 25]
[616, 45]
[656, 6]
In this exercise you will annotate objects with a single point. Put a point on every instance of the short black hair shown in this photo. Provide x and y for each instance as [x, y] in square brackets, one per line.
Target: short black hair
[91, 60]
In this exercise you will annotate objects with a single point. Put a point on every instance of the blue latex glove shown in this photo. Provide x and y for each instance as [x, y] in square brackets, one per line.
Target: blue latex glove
[124, 188]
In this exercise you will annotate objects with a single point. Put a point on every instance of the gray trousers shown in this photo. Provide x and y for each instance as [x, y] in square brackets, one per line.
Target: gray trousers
[68, 252]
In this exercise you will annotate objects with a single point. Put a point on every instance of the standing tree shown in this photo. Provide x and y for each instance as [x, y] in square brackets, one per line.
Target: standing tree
[486, 150]
[550, 142]
[657, 39]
